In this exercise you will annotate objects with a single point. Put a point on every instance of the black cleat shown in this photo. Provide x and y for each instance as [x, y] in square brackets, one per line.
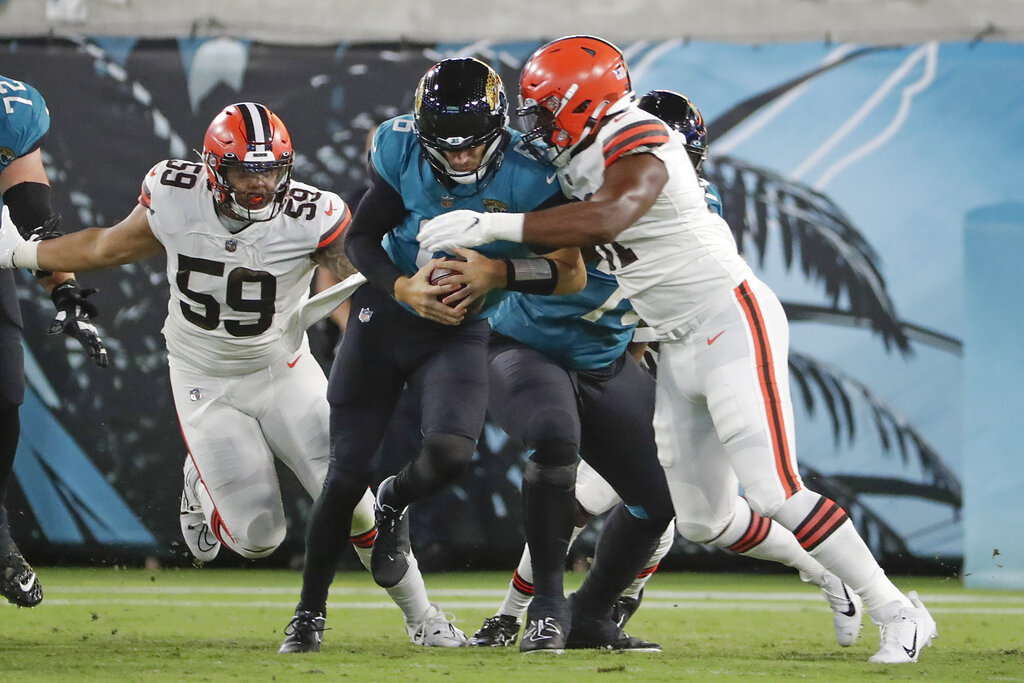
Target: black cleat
[18, 582]
[625, 608]
[303, 633]
[633, 644]
[547, 626]
[501, 630]
[389, 559]
[602, 633]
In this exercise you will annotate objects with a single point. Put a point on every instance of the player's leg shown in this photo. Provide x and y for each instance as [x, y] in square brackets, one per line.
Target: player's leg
[363, 389]
[18, 581]
[532, 399]
[595, 496]
[296, 422]
[235, 480]
[448, 371]
[616, 409]
[753, 415]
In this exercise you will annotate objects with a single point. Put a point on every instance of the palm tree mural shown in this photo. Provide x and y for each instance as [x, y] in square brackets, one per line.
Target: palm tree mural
[817, 237]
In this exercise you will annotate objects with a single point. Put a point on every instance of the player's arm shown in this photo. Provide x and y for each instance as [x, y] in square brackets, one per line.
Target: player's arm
[92, 249]
[562, 271]
[28, 197]
[380, 210]
[631, 185]
[333, 257]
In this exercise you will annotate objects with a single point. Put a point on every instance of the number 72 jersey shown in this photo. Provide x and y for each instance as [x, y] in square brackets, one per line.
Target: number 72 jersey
[228, 289]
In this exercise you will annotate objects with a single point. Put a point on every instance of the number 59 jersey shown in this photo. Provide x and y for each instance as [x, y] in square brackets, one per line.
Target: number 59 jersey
[228, 289]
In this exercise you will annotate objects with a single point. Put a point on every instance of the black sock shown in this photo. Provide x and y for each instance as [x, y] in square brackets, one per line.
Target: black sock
[623, 549]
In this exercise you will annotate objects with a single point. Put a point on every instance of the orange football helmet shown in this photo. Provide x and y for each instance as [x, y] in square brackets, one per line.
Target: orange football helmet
[247, 139]
[567, 87]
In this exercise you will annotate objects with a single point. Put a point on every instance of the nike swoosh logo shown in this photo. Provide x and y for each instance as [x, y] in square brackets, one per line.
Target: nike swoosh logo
[711, 340]
[27, 586]
[851, 610]
[551, 178]
[912, 650]
[330, 209]
[292, 364]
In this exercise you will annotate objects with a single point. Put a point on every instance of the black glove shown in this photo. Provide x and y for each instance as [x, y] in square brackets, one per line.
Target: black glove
[74, 318]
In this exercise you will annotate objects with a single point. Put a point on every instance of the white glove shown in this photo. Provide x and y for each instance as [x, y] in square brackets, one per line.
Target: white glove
[15, 252]
[468, 229]
[317, 308]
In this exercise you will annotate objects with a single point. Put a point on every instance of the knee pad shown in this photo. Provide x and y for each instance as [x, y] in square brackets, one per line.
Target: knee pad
[263, 535]
[696, 532]
[447, 454]
[554, 453]
[551, 425]
[556, 476]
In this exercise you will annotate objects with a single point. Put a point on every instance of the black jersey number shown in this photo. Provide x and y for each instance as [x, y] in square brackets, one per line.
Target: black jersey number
[616, 255]
[206, 314]
[183, 174]
[301, 203]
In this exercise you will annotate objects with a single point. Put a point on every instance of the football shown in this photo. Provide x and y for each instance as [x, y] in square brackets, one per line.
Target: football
[440, 274]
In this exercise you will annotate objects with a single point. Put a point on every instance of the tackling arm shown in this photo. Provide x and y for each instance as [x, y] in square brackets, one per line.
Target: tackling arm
[631, 185]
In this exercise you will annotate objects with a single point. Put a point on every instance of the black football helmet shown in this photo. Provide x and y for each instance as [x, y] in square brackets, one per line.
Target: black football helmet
[679, 112]
[461, 103]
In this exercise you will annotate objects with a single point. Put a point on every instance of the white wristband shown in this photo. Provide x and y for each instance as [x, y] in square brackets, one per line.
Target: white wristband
[26, 255]
[507, 226]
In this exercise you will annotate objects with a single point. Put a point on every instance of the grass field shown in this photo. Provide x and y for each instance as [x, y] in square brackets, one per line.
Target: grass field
[226, 625]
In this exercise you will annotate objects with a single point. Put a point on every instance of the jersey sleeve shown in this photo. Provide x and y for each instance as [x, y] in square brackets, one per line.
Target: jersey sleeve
[146, 194]
[337, 218]
[633, 137]
[26, 119]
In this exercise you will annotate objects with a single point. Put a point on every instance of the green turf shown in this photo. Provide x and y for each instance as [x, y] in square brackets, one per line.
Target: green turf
[213, 625]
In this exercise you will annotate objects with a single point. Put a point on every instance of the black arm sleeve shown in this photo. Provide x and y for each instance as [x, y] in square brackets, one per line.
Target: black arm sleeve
[30, 205]
[380, 209]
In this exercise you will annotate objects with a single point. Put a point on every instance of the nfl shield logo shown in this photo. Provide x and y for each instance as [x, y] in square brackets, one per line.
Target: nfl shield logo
[195, 395]
[446, 202]
[365, 314]
[230, 245]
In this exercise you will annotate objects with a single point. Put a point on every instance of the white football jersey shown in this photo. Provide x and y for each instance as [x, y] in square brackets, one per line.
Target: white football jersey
[227, 289]
[677, 263]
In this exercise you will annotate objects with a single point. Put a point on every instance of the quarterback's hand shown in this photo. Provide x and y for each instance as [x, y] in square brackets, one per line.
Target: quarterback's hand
[74, 318]
[464, 228]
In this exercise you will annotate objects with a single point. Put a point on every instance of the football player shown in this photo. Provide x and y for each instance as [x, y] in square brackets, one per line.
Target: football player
[242, 239]
[723, 411]
[454, 152]
[607, 321]
[25, 193]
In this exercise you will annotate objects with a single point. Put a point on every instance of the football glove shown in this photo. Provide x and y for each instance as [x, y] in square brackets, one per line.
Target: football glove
[74, 318]
[469, 229]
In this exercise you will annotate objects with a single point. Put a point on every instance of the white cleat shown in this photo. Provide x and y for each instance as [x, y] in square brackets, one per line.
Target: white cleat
[201, 542]
[906, 634]
[847, 609]
[435, 629]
